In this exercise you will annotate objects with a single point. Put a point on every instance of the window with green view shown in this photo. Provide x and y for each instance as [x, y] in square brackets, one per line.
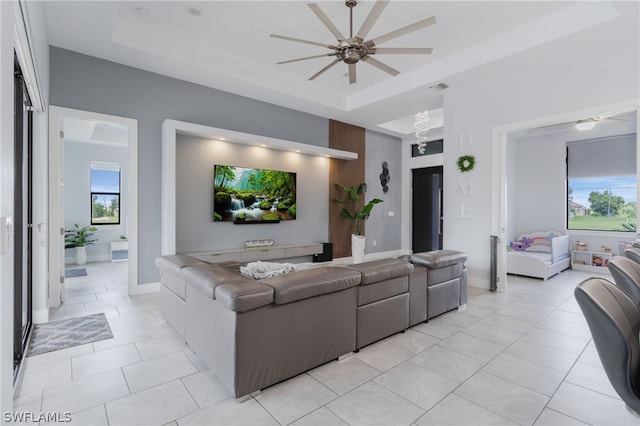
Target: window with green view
[105, 194]
[602, 184]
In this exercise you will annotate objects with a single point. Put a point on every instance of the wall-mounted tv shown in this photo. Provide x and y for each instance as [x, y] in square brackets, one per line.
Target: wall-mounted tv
[244, 195]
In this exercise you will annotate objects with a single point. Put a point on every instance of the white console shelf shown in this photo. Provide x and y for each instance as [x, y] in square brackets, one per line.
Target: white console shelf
[591, 261]
[283, 251]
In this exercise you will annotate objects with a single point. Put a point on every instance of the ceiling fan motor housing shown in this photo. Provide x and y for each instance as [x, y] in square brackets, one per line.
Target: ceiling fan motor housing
[351, 51]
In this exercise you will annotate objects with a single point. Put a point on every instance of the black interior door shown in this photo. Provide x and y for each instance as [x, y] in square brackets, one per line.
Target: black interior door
[22, 236]
[427, 209]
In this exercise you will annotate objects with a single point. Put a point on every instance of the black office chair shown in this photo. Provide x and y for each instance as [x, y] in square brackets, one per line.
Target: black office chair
[633, 253]
[614, 321]
[626, 274]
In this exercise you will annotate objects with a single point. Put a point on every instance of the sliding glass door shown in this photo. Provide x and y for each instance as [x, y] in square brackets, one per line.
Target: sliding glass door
[22, 217]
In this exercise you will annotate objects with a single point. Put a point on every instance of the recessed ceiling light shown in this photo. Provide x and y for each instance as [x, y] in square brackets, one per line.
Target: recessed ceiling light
[142, 12]
[194, 11]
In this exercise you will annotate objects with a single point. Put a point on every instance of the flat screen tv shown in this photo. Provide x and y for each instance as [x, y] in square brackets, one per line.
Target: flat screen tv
[243, 195]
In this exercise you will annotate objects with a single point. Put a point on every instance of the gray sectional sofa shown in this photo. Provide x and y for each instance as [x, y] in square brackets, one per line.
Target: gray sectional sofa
[255, 333]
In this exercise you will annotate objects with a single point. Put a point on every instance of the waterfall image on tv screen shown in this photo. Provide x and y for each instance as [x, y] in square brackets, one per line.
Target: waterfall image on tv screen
[253, 195]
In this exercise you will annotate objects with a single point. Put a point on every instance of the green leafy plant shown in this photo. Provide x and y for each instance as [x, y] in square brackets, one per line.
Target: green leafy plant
[79, 237]
[350, 211]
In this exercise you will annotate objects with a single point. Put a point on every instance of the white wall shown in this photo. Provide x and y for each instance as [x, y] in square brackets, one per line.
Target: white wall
[77, 194]
[6, 202]
[39, 44]
[577, 83]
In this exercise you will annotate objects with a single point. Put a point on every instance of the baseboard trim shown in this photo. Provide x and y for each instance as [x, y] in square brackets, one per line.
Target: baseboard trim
[40, 316]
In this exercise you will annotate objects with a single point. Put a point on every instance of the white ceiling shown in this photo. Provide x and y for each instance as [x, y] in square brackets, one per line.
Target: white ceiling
[228, 47]
[95, 132]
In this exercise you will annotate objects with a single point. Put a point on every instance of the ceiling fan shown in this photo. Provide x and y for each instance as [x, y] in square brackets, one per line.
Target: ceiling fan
[353, 49]
[582, 124]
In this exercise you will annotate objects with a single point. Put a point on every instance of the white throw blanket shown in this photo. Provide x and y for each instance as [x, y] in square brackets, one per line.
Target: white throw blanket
[261, 270]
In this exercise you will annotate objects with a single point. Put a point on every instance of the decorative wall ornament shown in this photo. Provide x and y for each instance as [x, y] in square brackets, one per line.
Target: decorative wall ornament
[384, 177]
[465, 188]
[465, 210]
[466, 163]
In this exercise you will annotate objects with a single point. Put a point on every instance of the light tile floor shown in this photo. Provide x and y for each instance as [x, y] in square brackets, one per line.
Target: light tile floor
[520, 357]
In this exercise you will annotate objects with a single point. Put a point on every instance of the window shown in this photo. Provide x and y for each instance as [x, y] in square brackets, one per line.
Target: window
[105, 193]
[433, 147]
[602, 184]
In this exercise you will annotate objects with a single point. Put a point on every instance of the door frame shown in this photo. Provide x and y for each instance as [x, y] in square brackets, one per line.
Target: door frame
[23, 232]
[500, 140]
[57, 116]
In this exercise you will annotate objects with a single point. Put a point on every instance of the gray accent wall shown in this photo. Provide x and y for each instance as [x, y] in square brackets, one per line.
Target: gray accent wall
[385, 230]
[87, 83]
[195, 228]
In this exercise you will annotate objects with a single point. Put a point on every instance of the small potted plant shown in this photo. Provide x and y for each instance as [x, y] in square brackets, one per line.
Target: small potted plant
[79, 238]
[581, 246]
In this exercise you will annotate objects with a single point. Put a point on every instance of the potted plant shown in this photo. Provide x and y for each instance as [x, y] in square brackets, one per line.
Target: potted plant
[357, 216]
[79, 238]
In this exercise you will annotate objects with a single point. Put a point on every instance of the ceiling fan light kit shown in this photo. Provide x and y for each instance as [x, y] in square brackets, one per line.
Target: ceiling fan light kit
[585, 124]
[354, 49]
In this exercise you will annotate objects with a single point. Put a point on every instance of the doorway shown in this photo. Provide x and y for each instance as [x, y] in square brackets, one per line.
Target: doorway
[427, 209]
[94, 138]
[23, 217]
[503, 136]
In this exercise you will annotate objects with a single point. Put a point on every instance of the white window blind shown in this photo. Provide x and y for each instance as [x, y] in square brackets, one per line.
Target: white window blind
[610, 156]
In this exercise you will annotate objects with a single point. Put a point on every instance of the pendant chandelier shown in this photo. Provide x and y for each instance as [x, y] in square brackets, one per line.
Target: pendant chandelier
[421, 125]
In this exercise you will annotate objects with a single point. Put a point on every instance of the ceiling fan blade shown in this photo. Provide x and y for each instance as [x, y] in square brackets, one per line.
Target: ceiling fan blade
[572, 123]
[316, 75]
[380, 65]
[304, 59]
[352, 73]
[404, 30]
[326, 21]
[299, 40]
[371, 19]
[403, 50]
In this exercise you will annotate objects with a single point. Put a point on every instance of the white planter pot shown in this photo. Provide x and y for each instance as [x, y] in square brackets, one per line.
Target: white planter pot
[357, 247]
[81, 255]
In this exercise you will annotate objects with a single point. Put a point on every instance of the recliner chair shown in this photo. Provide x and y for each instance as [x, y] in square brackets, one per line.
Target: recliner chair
[614, 321]
[633, 253]
[626, 274]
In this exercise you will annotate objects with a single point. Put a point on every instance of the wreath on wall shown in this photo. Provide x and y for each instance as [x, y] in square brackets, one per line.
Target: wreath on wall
[466, 162]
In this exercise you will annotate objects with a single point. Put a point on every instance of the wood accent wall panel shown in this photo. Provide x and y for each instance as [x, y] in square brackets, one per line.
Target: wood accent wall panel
[348, 172]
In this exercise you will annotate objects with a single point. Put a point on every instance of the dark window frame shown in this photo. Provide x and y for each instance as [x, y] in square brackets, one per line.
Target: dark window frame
[96, 193]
